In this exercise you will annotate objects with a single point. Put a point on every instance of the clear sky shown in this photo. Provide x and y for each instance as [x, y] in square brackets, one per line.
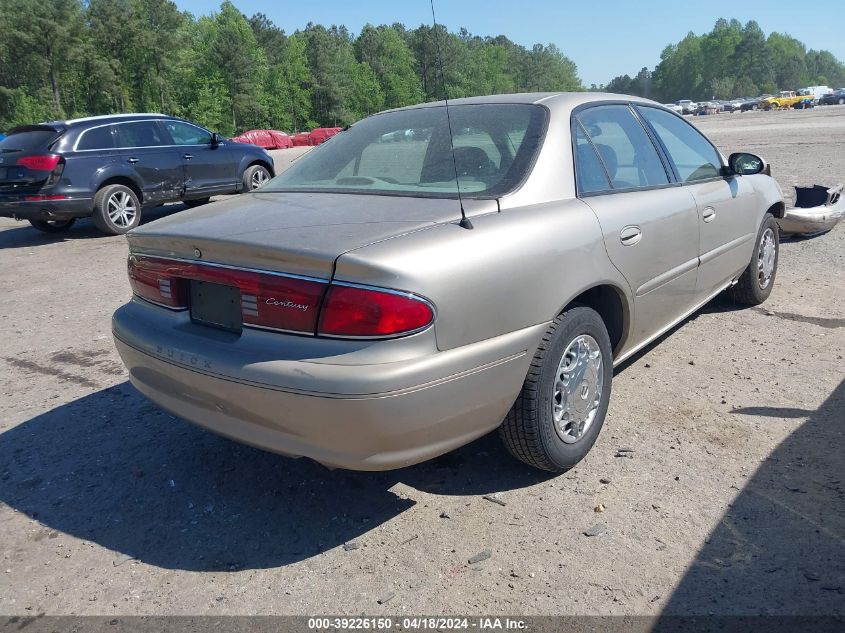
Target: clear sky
[604, 38]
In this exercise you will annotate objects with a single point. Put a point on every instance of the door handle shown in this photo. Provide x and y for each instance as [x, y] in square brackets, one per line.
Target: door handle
[630, 235]
[708, 214]
[132, 160]
[188, 156]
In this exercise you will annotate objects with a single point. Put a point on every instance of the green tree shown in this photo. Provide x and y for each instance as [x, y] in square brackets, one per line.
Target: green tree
[391, 59]
[241, 63]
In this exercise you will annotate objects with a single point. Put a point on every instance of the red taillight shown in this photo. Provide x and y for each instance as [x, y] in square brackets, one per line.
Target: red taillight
[46, 162]
[155, 280]
[283, 302]
[352, 311]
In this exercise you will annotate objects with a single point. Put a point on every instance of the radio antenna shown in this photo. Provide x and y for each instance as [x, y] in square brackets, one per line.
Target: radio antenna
[464, 223]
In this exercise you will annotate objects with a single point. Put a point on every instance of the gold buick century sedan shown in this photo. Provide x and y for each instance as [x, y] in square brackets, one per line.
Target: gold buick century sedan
[439, 271]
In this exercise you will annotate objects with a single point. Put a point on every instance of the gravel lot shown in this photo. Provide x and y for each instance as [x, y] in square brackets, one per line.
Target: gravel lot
[719, 469]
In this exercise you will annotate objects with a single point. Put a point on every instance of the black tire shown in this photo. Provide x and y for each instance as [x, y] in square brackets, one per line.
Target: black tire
[107, 217]
[753, 288]
[529, 431]
[197, 202]
[53, 226]
[253, 174]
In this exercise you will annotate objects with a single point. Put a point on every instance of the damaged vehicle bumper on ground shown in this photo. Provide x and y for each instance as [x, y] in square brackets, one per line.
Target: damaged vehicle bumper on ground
[817, 210]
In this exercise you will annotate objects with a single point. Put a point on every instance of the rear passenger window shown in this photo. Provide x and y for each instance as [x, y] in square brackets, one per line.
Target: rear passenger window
[692, 155]
[96, 138]
[626, 151]
[589, 173]
[139, 134]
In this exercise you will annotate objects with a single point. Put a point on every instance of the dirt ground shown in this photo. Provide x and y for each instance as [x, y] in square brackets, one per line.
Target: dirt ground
[727, 497]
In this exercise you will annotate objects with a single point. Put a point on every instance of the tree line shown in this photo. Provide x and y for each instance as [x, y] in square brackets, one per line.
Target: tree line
[68, 58]
[732, 60]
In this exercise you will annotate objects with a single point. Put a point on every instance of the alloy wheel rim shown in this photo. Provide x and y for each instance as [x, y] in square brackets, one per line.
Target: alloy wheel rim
[766, 258]
[121, 209]
[577, 392]
[259, 178]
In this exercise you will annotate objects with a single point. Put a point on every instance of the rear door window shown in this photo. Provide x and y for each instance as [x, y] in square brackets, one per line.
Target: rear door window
[691, 154]
[100, 137]
[627, 153]
[139, 134]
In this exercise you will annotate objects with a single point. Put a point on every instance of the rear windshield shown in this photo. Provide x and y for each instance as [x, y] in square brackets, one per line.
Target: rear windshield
[408, 153]
[28, 141]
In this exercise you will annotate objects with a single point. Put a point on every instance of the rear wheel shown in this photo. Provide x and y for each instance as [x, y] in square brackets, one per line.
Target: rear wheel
[255, 177]
[561, 408]
[53, 226]
[841, 101]
[116, 209]
[755, 284]
[197, 202]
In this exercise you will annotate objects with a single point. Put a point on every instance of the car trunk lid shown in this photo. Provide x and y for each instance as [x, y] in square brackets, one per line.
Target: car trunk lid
[294, 233]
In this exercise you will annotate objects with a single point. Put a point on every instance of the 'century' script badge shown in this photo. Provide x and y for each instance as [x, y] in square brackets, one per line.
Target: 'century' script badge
[285, 303]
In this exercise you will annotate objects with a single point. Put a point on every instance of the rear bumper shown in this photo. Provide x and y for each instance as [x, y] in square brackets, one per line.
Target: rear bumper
[813, 220]
[340, 410]
[19, 208]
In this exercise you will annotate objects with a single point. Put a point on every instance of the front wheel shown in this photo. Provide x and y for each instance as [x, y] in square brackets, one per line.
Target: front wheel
[559, 412]
[116, 209]
[755, 284]
[255, 177]
[53, 226]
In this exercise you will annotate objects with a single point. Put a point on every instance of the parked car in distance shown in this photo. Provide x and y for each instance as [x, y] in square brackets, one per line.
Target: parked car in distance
[268, 139]
[674, 107]
[785, 100]
[301, 139]
[837, 97]
[747, 104]
[320, 135]
[687, 106]
[357, 311]
[708, 107]
[815, 92]
[110, 167]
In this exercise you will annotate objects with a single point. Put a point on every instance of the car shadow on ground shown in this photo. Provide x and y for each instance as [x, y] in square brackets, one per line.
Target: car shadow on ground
[24, 235]
[778, 548]
[114, 469]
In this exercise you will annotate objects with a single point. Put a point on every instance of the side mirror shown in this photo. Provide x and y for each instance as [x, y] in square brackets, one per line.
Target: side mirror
[744, 164]
[215, 139]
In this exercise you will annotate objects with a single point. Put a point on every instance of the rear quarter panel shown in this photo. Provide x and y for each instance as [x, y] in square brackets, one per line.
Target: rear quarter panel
[514, 269]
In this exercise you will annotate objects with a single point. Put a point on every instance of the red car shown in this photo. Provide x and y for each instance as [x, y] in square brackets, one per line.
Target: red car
[322, 134]
[268, 139]
[302, 139]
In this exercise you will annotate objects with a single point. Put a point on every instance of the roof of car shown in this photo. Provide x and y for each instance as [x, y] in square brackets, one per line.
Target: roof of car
[564, 100]
[110, 118]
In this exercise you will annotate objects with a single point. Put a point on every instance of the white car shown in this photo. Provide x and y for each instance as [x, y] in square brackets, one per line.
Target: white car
[674, 107]
[687, 106]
